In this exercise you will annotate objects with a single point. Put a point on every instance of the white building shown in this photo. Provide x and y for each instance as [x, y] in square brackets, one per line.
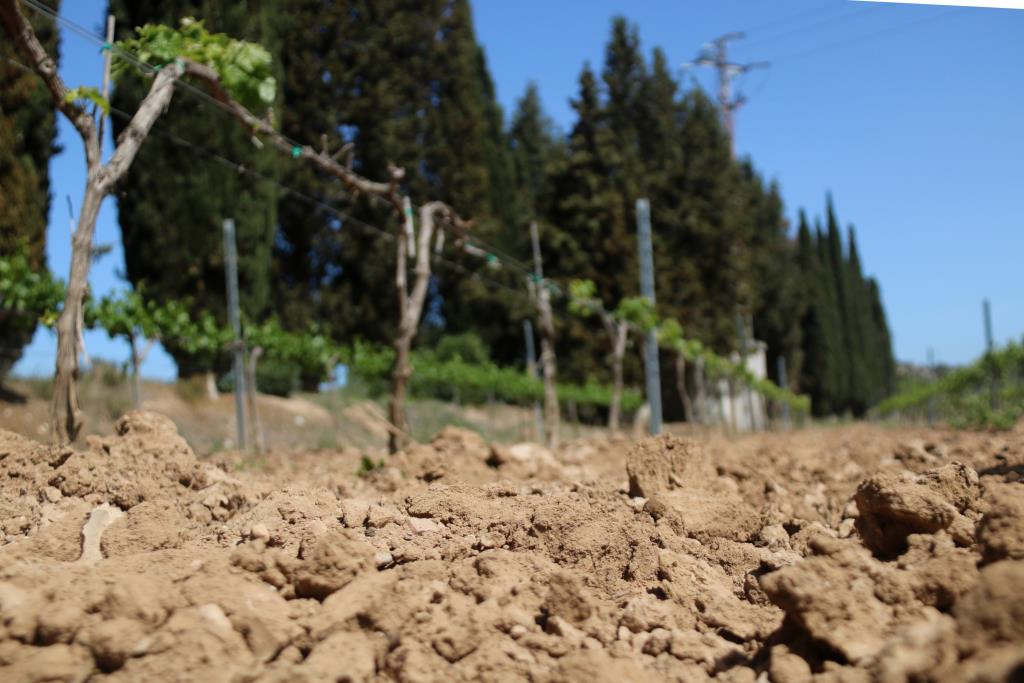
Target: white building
[743, 410]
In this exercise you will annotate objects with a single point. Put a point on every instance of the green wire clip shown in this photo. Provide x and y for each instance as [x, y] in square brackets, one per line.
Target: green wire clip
[296, 152]
[106, 47]
[491, 258]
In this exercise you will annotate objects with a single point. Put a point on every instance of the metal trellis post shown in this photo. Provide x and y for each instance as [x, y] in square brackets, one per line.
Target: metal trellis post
[652, 372]
[231, 274]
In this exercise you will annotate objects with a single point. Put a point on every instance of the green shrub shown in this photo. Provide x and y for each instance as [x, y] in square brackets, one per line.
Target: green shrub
[476, 382]
[468, 347]
[276, 377]
[273, 376]
[963, 397]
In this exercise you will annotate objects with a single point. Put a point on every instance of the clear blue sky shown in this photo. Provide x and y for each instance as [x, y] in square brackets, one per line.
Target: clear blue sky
[911, 115]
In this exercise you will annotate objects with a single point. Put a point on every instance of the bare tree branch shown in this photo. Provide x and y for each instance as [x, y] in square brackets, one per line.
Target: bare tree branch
[387, 191]
[131, 138]
[430, 214]
[410, 307]
[18, 27]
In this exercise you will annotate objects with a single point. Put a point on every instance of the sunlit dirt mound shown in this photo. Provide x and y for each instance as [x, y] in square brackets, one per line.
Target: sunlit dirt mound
[853, 554]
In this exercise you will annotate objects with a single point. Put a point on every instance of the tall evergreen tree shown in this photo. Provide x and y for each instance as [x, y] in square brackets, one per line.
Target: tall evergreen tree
[535, 152]
[625, 78]
[27, 141]
[880, 345]
[834, 389]
[172, 203]
[839, 277]
[581, 196]
[657, 121]
[583, 205]
[778, 301]
[864, 365]
[340, 81]
[848, 363]
[814, 373]
[473, 160]
[703, 287]
[405, 83]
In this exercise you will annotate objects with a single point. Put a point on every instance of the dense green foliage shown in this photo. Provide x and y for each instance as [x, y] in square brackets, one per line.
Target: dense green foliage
[458, 369]
[456, 379]
[27, 291]
[276, 377]
[670, 337]
[468, 347]
[405, 83]
[964, 395]
[848, 364]
[244, 67]
[723, 247]
[27, 141]
[172, 203]
[641, 316]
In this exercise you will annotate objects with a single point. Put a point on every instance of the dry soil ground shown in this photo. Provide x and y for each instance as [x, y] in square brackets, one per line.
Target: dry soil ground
[312, 421]
[844, 554]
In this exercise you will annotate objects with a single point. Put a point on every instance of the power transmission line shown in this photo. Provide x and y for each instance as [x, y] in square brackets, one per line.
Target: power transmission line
[849, 12]
[827, 7]
[919, 21]
[715, 54]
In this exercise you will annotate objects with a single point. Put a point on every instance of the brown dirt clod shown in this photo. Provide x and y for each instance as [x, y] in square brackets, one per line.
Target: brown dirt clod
[812, 556]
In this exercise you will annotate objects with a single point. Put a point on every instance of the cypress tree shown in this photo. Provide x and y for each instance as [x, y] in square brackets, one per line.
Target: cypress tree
[339, 81]
[613, 170]
[703, 286]
[625, 78]
[821, 325]
[863, 362]
[660, 134]
[880, 342]
[814, 371]
[172, 203]
[838, 275]
[583, 205]
[535, 152]
[833, 381]
[405, 83]
[580, 193]
[778, 301]
[501, 169]
[848, 364]
[657, 122]
[604, 172]
[27, 141]
[473, 159]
